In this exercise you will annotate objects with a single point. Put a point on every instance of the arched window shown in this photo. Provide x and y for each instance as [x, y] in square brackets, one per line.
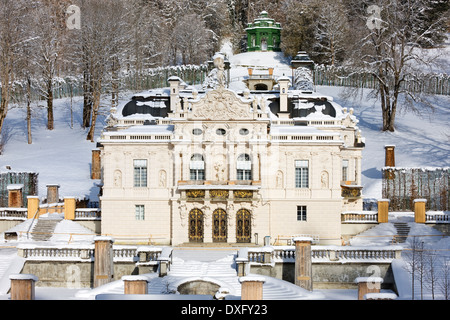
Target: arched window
[197, 167]
[244, 167]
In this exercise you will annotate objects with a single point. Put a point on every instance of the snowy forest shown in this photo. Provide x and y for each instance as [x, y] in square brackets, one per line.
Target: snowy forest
[97, 43]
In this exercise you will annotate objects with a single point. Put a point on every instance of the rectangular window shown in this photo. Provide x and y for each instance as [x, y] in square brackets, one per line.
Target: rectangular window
[139, 212]
[243, 174]
[301, 213]
[302, 174]
[344, 170]
[140, 173]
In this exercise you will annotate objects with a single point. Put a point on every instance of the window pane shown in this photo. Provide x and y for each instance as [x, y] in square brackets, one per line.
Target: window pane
[345, 170]
[301, 213]
[301, 173]
[140, 173]
[139, 212]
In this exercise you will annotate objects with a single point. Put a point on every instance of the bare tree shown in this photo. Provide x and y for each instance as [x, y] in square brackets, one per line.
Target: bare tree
[193, 39]
[444, 275]
[100, 33]
[431, 274]
[332, 33]
[50, 30]
[12, 36]
[392, 53]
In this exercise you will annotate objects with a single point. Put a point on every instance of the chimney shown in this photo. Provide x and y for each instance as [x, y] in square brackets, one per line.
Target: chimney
[174, 93]
[284, 86]
[389, 156]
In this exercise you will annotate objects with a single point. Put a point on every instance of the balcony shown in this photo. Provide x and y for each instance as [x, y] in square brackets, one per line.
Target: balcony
[238, 190]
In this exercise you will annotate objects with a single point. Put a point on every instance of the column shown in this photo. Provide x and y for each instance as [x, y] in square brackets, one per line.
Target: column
[419, 210]
[103, 263]
[22, 286]
[383, 210]
[303, 265]
[69, 208]
[368, 285]
[135, 285]
[32, 206]
[252, 287]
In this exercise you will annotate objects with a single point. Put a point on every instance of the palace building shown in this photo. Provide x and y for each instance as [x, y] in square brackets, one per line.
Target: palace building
[183, 165]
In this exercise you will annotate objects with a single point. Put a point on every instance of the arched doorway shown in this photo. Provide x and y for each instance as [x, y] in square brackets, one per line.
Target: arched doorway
[243, 226]
[264, 44]
[195, 225]
[219, 225]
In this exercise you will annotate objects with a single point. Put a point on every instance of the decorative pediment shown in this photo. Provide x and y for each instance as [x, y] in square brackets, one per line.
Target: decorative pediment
[220, 104]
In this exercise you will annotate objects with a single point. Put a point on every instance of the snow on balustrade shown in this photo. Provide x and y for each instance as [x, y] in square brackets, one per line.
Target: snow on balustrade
[437, 217]
[87, 213]
[79, 252]
[359, 217]
[13, 213]
[332, 254]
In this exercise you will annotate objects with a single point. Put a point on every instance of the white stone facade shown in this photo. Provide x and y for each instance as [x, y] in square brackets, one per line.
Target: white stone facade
[223, 166]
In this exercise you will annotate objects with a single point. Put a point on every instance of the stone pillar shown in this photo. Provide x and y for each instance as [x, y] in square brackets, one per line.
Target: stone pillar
[389, 156]
[252, 287]
[419, 210]
[135, 284]
[69, 208]
[96, 167]
[15, 196]
[52, 193]
[303, 265]
[32, 206]
[383, 210]
[241, 266]
[103, 262]
[368, 285]
[22, 286]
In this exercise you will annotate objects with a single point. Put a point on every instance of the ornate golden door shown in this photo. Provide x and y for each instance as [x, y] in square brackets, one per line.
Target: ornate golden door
[195, 225]
[243, 226]
[219, 225]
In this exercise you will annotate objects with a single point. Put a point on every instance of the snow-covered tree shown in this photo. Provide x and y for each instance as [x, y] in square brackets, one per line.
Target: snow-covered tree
[12, 36]
[391, 51]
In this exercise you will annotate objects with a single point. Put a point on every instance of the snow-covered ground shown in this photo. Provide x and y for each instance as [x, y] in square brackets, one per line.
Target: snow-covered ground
[63, 156]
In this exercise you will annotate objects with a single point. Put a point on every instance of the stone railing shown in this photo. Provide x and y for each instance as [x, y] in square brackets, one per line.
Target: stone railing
[330, 254]
[87, 214]
[121, 253]
[359, 217]
[14, 213]
[437, 217]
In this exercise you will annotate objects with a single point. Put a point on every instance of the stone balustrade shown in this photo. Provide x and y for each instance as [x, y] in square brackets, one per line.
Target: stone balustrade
[87, 213]
[76, 252]
[327, 254]
[359, 217]
[14, 213]
[437, 217]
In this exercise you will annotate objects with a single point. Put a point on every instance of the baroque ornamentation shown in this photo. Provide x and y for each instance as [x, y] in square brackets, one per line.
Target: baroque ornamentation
[243, 194]
[195, 194]
[221, 104]
[219, 194]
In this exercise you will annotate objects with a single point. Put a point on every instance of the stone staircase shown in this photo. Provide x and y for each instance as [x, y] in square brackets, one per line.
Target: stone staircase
[45, 227]
[402, 231]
